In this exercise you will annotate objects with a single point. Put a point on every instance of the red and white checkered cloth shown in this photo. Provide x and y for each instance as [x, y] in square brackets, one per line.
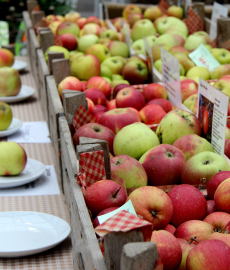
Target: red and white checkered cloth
[193, 22]
[82, 117]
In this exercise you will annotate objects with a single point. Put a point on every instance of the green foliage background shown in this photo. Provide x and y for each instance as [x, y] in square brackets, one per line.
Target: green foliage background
[60, 7]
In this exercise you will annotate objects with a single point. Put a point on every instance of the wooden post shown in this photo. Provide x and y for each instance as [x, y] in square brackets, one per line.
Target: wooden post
[114, 242]
[10, 47]
[105, 148]
[207, 24]
[31, 5]
[61, 69]
[139, 256]
[46, 39]
[51, 57]
[87, 148]
[199, 9]
[223, 30]
[36, 16]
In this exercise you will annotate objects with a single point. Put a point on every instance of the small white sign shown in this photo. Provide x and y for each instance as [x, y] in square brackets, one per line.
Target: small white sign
[32, 132]
[212, 110]
[171, 77]
[128, 206]
[217, 11]
[46, 185]
[149, 58]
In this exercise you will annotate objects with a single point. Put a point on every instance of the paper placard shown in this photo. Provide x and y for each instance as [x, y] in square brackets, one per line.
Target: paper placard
[202, 57]
[126, 28]
[46, 185]
[149, 57]
[212, 110]
[171, 77]
[217, 11]
[32, 132]
[128, 206]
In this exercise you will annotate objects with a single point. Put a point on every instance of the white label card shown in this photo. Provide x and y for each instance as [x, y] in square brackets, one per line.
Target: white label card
[149, 57]
[171, 77]
[126, 29]
[128, 206]
[32, 132]
[212, 110]
[217, 11]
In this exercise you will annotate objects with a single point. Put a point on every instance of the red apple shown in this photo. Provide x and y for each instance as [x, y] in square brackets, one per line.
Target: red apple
[90, 105]
[95, 131]
[93, 19]
[168, 248]
[185, 247]
[133, 17]
[117, 88]
[222, 196]
[215, 181]
[103, 212]
[152, 114]
[153, 204]
[97, 116]
[163, 164]
[154, 90]
[118, 118]
[104, 194]
[69, 41]
[188, 204]
[101, 84]
[170, 228]
[218, 220]
[211, 207]
[70, 83]
[111, 104]
[99, 108]
[81, 22]
[166, 105]
[188, 88]
[136, 111]
[227, 148]
[96, 96]
[83, 84]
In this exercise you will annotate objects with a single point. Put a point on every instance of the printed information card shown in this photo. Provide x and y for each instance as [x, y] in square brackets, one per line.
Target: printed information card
[212, 113]
[171, 77]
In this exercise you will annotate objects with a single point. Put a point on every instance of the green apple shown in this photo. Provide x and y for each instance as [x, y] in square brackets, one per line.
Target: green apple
[10, 82]
[134, 140]
[99, 50]
[6, 115]
[190, 101]
[184, 61]
[138, 46]
[166, 39]
[194, 78]
[203, 34]
[110, 34]
[86, 41]
[117, 82]
[227, 133]
[223, 84]
[106, 72]
[13, 158]
[202, 72]
[220, 71]
[193, 41]
[107, 79]
[221, 55]
[116, 77]
[118, 48]
[158, 65]
[114, 63]
[56, 48]
[142, 28]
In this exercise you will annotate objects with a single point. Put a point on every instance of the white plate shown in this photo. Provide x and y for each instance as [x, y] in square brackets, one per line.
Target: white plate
[24, 233]
[25, 92]
[15, 125]
[33, 170]
[19, 65]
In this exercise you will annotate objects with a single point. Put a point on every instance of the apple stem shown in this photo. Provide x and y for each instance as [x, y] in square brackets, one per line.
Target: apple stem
[202, 181]
[118, 163]
[154, 214]
[193, 239]
[115, 193]
[3, 108]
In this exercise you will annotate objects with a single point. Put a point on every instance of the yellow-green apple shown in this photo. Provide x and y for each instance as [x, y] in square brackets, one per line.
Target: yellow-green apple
[154, 90]
[10, 82]
[114, 63]
[153, 204]
[131, 8]
[205, 35]
[227, 131]
[6, 58]
[116, 77]
[95, 131]
[117, 88]
[130, 170]
[175, 124]
[81, 22]
[220, 71]
[163, 164]
[85, 67]
[111, 104]
[86, 41]
[215, 181]
[69, 41]
[130, 97]
[90, 105]
[170, 228]
[218, 220]
[210, 254]
[60, 18]
[6, 115]
[53, 26]
[191, 102]
[101, 84]
[109, 34]
[117, 22]
[166, 39]
[104, 194]
[168, 248]
[221, 55]
[138, 46]
[68, 27]
[222, 197]
[91, 28]
[188, 204]
[194, 41]
[202, 167]
[56, 48]
[152, 13]
[135, 72]
[185, 247]
[156, 51]
[118, 118]
[70, 83]
[99, 108]
[133, 17]
[50, 18]
[93, 19]
[13, 158]
[73, 54]
[152, 114]
[184, 61]
[193, 144]
[96, 95]
[158, 66]
[72, 16]
[117, 47]
[99, 50]
[175, 11]
[178, 49]
[143, 27]
[134, 140]
[164, 103]
[202, 72]
[103, 212]
[188, 88]
[211, 207]
[106, 72]
[222, 84]
[117, 82]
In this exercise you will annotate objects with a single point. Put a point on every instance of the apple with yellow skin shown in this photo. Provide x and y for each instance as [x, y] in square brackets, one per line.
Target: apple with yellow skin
[175, 11]
[152, 13]
[220, 71]
[91, 28]
[72, 16]
[222, 84]
[6, 58]
[10, 82]
[6, 115]
[68, 27]
[99, 50]
[202, 72]
[131, 8]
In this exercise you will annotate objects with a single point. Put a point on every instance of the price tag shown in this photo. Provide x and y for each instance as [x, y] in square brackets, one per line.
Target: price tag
[171, 77]
[149, 57]
[212, 110]
[128, 206]
[217, 11]
[203, 58]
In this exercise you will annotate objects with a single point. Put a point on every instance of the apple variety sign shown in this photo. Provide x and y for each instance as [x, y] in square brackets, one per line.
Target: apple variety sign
[212, 113]
[171, 77]
[203, 58]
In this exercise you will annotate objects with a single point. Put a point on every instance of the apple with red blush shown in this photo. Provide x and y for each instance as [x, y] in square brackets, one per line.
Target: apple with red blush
[111, 104]
[93, 19]
[137, 112]
[215, 181]
[154, 90]
[117, 88]
[218, 220]
[188, 88]
[91, 105]
[81, 22]
[227, 148]
[166, 105]
[152, 114]
[96, 96]
[222, 196]
[185, 247]
[69, 41]
[69, 83]
[101, 84]
[97, 116]
[170, 228]
[103, 212]
[99, 108]
[211, 207]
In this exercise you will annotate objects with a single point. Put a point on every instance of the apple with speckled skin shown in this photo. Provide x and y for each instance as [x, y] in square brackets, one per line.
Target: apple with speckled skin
[6, 115]
[70, 83]
[6, 58]
[154, 90]
[185, 247]
[215, 181]
[101, 84]
[10, 82]
[96, 96]
[166, 105]
[152, 114]
[222, 196]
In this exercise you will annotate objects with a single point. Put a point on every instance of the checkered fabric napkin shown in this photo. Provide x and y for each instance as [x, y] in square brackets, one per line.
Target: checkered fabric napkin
[91, 169]
[163, 5]
[193, 22]
[82, 117]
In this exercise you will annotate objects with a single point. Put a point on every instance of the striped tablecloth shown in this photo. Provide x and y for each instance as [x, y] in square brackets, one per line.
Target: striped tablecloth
[59, 257]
